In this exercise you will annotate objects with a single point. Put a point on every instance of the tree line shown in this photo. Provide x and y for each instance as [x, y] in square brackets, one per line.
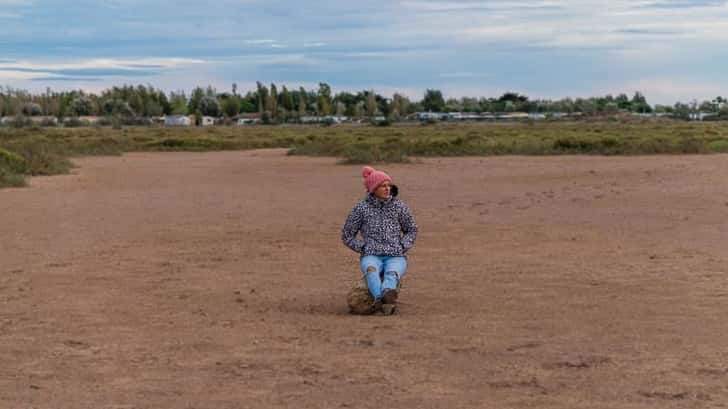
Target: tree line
[276, 103]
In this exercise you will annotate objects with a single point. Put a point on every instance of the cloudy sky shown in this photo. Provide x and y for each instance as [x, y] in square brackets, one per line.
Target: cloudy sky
[671, 50]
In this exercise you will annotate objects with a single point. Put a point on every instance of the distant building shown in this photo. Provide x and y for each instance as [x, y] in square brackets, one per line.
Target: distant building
[91, 119]
[248, 121]
[207, 121]
[311, 119]
[699, 116]
[177, 120]
[425, 116]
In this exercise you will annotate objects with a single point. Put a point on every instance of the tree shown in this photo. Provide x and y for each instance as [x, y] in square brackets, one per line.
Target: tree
[301, 102]
[272, 101]
[622, 102]
[81, 105]
[359, 109]
[707, 106]
[193, 105]
[209, 106]
[453, 105]
[31, 109]
[433, 101]
[231, 106]
[682, 111]
[470, 104]
[396, 106]
[177, 103]
[286, 99]
[249, 103]
[371, 104]
[262, 97]
[611, 108]
[639, 104]
[340, 108]
[118, 107]
[718, 103]
[324, 99]
[153, 108]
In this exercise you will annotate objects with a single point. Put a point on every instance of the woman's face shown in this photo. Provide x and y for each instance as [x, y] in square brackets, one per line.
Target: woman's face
[382, 191]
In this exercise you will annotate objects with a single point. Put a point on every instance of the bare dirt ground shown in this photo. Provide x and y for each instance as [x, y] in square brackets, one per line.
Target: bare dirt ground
[217, 280]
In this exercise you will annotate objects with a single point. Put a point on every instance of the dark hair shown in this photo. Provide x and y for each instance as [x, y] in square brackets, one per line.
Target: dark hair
[393, 190]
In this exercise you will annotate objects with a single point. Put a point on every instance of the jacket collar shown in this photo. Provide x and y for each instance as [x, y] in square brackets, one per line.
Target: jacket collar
[377, 202]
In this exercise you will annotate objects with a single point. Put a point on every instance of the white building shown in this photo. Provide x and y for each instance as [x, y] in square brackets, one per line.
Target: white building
[208, 121]
[177, 120]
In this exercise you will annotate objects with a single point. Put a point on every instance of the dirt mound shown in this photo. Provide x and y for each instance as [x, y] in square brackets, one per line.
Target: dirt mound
[359, 299]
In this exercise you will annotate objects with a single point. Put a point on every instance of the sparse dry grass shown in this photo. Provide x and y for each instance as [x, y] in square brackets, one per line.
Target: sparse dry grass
[46, 150]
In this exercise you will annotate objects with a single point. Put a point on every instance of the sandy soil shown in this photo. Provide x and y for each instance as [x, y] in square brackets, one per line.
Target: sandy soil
[217, 280]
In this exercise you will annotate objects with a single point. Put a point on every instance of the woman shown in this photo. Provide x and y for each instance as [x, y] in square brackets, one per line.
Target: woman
[388, 231]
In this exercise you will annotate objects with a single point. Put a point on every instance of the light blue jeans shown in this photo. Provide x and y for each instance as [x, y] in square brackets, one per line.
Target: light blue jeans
[387, 272]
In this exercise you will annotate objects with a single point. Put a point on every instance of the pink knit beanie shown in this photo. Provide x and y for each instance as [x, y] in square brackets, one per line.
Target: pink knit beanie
[373, 178]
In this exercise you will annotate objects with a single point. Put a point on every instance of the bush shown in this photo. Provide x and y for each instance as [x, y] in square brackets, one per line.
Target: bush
[718, 146]
[361, 153]
[42, 157]
[12, 162]
[192, 144]
[20, 121]
[105, 121]
[386, 122]
[49, 122]
[31, 109]
[74, 122]
[12, 169]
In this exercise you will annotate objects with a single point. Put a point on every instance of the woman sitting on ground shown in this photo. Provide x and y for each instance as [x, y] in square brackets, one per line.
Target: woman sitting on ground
[388, 231]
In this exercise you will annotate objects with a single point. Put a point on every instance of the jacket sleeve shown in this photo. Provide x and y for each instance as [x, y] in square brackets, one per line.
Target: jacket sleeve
[351, 229]
[409, 228]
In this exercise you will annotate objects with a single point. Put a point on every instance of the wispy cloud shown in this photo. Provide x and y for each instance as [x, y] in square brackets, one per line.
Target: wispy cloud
[90, 69]
[544, 47]
[465, 74]
[683, 4]
[260, 41]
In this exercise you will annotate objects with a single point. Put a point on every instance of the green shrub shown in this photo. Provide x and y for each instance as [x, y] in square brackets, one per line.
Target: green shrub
[74, 122]
[8, 179]
[573, 144]
[720, 145]
[12, 169]
[690, 144]
[360, 153]
[192, 144]
[21, 121]
[12, 162]
[45, 162]
[42, 156]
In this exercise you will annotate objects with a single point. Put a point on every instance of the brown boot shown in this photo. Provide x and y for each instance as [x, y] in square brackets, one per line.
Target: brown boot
[388, 309]
[389, 296]
[375, 307]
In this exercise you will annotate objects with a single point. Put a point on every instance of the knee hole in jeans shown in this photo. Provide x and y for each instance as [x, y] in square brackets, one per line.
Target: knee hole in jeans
[371, 269]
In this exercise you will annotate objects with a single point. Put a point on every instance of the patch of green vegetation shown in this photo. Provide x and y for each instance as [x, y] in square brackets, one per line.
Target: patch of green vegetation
[12, 169]
[192, 144]
[46, 150]
[11, 161]
[42, 157]
[363, 153]
[720, 146]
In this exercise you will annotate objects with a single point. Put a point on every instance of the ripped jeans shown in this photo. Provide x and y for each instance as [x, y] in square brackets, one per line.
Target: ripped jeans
[382, 272]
